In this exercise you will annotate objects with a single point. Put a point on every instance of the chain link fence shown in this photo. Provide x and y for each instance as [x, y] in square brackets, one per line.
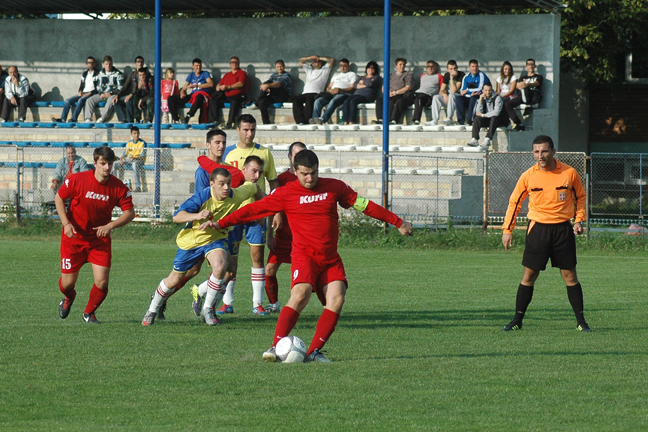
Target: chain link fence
[618, 185]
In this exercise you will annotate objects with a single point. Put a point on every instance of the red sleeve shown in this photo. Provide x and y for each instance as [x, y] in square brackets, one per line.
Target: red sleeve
[348, 196]
[209, 165]
[64, 191]
[377, 212]
[125, 199]
[268, 206]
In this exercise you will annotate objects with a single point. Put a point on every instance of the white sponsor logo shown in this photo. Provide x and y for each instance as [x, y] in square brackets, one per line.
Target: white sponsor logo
[312, 198]
[128, 194]
[295, 274]
[67, 182]
[96, 196]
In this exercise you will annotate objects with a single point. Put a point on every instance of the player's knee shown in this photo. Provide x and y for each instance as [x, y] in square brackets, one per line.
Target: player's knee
[271, 269]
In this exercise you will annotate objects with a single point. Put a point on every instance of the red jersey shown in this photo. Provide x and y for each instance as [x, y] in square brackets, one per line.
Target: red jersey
[232, 78]
[92, 203]
[284, 234]
[312, 215]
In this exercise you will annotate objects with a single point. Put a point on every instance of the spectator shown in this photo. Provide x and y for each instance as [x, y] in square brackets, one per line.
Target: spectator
[196, 91]
[529, 93]
[109, 82]
[488, 113]
[144, 97]
[447, 97]
[68, 165]
[506, 82]
[366, 89]
[87, 88]
[134, 157]
[340, 88]
[471, 89]
[3, 76]
[127, 92]
[400, 87]
[431, 82]
[169, 88]
[316, 76]
[18, 93]
[275, 90]
[233, 89]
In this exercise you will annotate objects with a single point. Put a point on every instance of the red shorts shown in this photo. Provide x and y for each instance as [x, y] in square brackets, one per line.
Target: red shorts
[76, 252]
[306, 269]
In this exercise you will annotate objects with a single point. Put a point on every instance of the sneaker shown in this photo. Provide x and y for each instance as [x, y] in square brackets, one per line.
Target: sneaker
[584, 327]
[229, 126]
[225, 309]
[87, 121]
[273, 307]
[486, 143]
[149, 319]
[209, 318]
[160, 313]
[90, 318]
[512, 326]
[64, 307]
[2, 120]
[259, 310]
[473, 143]
[197, 300]
[186, 119]
[21, 119]
[416, 122]
[101, 120]
[447, 122]
[270, 355]
[319, 120]
[431, 123]
[316, 356]
[58, 120]
[311, 120]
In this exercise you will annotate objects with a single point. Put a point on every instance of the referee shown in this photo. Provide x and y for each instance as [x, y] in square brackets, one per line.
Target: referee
[556, 196]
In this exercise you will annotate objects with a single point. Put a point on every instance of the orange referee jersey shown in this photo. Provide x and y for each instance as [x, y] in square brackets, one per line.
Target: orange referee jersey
[554, 196]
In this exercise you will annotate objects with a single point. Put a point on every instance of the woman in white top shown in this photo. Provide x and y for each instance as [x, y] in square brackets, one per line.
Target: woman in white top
[506, 82]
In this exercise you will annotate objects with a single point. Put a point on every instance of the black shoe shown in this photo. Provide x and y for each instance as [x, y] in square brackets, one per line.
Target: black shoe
[584, 327]
[90, 318]
[527, 111]
[229, 126]
[64, 307]
[58, 120]
[512, 326]
[186, 119]
[519, 127]
[376, 121]
[469, 123]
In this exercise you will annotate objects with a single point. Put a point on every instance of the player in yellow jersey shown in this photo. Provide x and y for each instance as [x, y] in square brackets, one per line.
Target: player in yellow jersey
[194, 244]
[556, 195]
[255, 231]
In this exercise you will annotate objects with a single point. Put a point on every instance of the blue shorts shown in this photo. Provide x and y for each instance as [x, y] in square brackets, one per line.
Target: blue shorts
[232, 240]
[186, 259]
[255, 234]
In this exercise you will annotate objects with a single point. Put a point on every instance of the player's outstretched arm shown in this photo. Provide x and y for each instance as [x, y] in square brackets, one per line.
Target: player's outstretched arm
[126, 217]
[406, 229]
[184, 216]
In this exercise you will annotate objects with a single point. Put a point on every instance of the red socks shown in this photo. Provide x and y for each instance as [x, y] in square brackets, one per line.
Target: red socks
[97, 296]
[70, 293]
[272, 288]
[287, 319]
[324, 329]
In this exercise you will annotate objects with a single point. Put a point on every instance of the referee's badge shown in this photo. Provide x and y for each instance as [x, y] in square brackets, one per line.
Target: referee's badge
[561, 196]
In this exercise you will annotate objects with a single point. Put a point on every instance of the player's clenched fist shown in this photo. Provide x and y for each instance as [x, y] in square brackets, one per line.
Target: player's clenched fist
[405, 228]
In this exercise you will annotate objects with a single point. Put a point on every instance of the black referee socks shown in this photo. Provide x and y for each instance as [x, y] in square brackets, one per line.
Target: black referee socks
[524, 296]
[575, 296]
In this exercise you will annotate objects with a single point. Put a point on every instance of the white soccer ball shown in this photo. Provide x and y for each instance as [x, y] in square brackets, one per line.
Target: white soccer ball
[291, 349]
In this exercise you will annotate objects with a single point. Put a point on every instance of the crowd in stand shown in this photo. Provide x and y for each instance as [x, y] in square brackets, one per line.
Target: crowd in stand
[476, 100]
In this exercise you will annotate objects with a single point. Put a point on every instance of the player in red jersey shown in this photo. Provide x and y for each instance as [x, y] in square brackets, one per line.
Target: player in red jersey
[280, 243]
[87, 226]
[311, 207]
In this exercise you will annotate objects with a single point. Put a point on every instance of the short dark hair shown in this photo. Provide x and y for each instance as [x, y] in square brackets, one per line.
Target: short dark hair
[219, 171]
[245, 118]
[107, 58]
[452, 63]
[143, 70]
[344, 60]
[280, 61]
[139, 58]
[473, 61]
[212, 133]
[400, 59]
[104, 152]
[91, 58]
[196, 60]
[487, 84]
[237, 59]
[306, 158]
[134, 129]
[253, 158]
[528, 60]
[541, 139]
[374, 65]
[296, 144]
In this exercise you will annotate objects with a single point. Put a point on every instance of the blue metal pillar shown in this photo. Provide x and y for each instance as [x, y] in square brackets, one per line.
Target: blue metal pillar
[158, 102]
[385, 119]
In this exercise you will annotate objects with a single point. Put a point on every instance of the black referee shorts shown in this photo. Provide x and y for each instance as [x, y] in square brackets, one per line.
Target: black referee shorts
[555, 241]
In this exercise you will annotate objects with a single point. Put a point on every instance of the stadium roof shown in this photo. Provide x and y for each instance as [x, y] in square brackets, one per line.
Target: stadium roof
[13, 7]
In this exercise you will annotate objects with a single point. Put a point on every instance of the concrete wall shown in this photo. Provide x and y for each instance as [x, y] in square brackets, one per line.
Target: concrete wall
[51, 53]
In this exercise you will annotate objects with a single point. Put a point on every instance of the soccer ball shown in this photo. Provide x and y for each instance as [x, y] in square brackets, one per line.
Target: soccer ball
[291, 349]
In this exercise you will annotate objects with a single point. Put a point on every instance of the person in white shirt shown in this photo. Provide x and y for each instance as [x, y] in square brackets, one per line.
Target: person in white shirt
[87, 88]
[506, 82]
[19, 94]
[340, 88]
[317, 75]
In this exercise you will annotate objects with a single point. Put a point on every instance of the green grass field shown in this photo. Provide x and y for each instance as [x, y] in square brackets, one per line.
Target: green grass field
[418, 347]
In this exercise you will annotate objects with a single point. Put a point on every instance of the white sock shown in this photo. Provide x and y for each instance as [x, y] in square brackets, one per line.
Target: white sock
[258, 286]
[161, 294]
[228, 299]
[214, 293]
[202, 288]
